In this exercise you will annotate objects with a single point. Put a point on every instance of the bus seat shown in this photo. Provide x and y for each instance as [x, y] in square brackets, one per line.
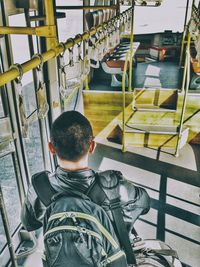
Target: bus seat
[195, 65]
[114, 58]
[115, 67]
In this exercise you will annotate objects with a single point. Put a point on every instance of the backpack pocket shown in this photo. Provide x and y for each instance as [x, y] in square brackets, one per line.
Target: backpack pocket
[73, 245]
[90, 249]
[53, 245]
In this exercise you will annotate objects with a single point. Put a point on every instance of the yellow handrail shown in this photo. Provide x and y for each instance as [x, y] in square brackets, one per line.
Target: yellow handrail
[12, 74]
[187, 68]
[131, 49]
[124, 99]
[185, 33]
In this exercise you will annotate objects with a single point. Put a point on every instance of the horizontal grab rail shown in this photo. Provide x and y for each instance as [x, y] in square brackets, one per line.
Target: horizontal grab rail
[13, 73]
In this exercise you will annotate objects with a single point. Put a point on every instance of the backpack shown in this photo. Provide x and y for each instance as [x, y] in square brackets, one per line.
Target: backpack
[77, 232]
[152, 253]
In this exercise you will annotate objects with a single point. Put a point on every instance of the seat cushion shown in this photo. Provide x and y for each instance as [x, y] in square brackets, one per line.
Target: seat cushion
[115, 63]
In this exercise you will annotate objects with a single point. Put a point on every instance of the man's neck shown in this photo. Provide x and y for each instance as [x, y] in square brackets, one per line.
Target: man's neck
[73, 166]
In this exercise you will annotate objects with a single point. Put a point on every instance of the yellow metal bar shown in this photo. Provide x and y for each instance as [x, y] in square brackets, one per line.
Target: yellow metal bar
[185, 96]
[184, 33]
[184, 73]
[18, 30]
[12, 74]
[182, 47]
[46, 31]
[50, 21]
[86, 7]
[87, 83]
[124, 102]
[131, 49]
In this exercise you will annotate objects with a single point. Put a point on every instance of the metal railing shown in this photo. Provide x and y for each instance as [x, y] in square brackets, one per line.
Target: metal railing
[54, 50]
[186, 83]
[127, 60]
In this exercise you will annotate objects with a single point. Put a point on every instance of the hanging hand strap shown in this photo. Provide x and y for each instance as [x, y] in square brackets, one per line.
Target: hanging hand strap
[43, 106]
[20, 99]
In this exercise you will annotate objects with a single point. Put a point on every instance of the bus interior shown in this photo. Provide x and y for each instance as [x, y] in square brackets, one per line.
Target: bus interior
[132, 67]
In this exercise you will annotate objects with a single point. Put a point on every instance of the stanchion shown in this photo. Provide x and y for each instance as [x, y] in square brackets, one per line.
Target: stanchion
[185, 96]
[124, 101]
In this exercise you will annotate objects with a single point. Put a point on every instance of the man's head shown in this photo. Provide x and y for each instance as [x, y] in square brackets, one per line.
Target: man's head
[71, 136]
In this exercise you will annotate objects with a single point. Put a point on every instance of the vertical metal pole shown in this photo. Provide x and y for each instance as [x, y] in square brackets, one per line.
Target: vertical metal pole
[50, 21]
[184, 33]
[7, 229]
[50, 77]
[185, 30]
[43, 137]
[124, 102]
[131, 48]
[52, 92]
[185, 96]
[184, 74]
[85, 2]
[118, 7]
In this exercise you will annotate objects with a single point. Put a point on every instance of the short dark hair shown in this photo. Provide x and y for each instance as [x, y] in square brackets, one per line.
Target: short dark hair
[71, 135]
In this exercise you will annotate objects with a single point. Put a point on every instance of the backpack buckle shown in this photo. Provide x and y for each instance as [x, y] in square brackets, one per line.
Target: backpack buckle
[115, 203]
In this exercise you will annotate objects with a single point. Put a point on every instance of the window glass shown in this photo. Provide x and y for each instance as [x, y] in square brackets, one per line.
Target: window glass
[20, 47]
[29, 98]
[157, 19]
[21, 53]
[72, 24]
[33, 149]
[10, 195]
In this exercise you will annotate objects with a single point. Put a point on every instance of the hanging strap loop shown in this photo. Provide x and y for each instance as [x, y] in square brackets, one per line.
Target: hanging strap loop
[40, 57]
[63, 47]
[19, 68]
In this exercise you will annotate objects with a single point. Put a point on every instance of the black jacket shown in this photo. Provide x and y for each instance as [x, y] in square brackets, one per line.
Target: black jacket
[134, 200]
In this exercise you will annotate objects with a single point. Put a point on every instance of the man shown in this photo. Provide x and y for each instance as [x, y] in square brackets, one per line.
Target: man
[71, 141]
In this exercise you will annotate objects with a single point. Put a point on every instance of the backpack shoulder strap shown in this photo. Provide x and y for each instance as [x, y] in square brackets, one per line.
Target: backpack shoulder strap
[108, 182]
[95, 192]
[43, 187]
[46, 193]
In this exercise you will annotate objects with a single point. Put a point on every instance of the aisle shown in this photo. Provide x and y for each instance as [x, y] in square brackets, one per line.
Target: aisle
[173, 185]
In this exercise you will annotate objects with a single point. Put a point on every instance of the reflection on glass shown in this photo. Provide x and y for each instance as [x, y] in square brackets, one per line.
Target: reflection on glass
[33, 149]
[10, 195]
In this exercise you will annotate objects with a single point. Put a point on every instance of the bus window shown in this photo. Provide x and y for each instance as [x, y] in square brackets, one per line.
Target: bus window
[10, 195]
[32, 141]
[68, 26]
[33, 149]
[152, 20]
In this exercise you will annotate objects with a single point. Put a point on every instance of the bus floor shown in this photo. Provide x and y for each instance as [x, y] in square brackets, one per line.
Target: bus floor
[173, 185]
[147, 74]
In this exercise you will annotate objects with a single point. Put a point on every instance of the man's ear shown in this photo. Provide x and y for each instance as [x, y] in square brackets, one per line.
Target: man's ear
[92, 146]
[51, 148]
